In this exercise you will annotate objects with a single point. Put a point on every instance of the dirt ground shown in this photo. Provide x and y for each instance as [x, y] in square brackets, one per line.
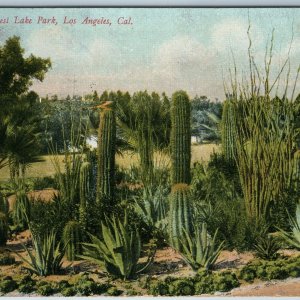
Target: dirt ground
[167, 262]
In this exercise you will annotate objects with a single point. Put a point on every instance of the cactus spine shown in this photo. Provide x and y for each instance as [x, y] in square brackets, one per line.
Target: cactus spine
[84, 191]
[106, 155]
[228, 131]
[72, 238]
[180, 138]
[180, 218]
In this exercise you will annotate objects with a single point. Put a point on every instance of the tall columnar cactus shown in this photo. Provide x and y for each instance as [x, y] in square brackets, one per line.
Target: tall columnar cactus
[180, 215]
[106, 154]
[72, 238]
[180, 138]
[4, 205]
[228, 130]
[3, 229]
[84, 190]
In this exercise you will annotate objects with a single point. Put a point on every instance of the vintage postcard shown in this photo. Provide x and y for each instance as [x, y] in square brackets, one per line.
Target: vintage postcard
[149, 151]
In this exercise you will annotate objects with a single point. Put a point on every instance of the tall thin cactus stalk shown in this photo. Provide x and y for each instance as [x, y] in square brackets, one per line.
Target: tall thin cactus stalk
[228, 131]
[180, 138]
[106, 155]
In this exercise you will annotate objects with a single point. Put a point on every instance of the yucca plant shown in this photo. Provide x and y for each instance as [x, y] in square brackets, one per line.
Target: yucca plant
[118, 251]
[46, 259]
[199, 249]
[293, 237]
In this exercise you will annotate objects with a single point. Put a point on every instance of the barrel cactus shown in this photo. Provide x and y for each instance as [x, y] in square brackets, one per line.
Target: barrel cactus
[72, 238]
[180, 215]
[106, 155]
[180, 138]
[3, 229]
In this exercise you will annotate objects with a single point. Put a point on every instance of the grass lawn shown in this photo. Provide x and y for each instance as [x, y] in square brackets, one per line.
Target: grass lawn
[45, 168]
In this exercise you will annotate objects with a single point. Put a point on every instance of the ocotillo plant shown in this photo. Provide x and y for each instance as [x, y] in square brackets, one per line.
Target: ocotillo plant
[228, 133]
[265, 137]
[180, 138]
[180, 215]
[106, 154]
[265, 157]
[72, 238]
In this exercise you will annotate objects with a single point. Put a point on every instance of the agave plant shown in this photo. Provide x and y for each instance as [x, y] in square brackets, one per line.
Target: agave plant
[199, 249]
[293, 238]
[119, 250]
[46, 259]
[152, 208]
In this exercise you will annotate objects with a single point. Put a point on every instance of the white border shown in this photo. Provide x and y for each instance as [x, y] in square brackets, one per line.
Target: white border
[147, 3]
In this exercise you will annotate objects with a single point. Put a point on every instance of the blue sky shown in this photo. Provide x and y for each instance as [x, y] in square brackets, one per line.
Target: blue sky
[163, 49]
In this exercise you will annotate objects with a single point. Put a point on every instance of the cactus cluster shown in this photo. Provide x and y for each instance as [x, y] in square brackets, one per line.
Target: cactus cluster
[106, 155]
[72, 238]
[180, 138]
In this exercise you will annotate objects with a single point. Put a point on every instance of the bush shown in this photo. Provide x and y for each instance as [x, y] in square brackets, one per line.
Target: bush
[87, 286]
[113, 291]
[182, 287]
[225, 281]
[7, 285]
[68, 292]
[158, 288]
[6, 259]
[45, 289]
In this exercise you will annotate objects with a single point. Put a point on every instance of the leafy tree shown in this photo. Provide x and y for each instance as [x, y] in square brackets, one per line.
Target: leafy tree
[19, 120]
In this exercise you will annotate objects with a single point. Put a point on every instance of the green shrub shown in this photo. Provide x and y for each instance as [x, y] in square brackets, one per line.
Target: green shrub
[113, 291]
[45, 289]
[158, 288]
[275, 272]
[182, 287]
[87, 286]
[248, 273]
[293, 269]
[68, 292]
[27, 287]
[7, 285]
[132, 293]
[6, 259]
[225, 281]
